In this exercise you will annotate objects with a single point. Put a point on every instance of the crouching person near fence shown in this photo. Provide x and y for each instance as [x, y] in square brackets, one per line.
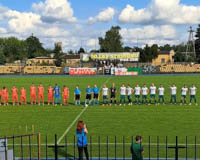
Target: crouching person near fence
[137, 149]
[81, 133]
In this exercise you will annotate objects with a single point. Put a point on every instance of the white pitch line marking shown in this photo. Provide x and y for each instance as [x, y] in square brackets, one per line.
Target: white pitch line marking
[80, 114]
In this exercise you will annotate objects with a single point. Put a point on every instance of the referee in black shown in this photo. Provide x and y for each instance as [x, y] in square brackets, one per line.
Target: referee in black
[113, 92]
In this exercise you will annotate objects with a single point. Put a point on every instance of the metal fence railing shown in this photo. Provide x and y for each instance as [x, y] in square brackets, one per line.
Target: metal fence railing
[99, 148]
[20, 147]
[146, 68]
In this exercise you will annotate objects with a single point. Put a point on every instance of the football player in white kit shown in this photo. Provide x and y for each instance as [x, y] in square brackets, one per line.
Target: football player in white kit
[173, 90]
[137, 91]
[193, 92]
[184, 92]
[129, 94]
[145, 92]
[122, 95]
[152, 93]
[105, 95]
[161, 92]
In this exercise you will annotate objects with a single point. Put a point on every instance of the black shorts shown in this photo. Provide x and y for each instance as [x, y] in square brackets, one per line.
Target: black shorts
[77, 97]
[89, 96]
[112, 96]
[96, 96]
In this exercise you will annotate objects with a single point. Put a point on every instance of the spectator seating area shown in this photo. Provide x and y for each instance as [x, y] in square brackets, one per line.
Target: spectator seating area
[10, 69]
[146, 69]
[180, 68]
[42, 70]
[150, 69]
[30, 70]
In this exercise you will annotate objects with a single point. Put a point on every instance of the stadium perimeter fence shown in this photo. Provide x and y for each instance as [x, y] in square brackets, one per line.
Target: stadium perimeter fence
[141, 68]
[28, 147]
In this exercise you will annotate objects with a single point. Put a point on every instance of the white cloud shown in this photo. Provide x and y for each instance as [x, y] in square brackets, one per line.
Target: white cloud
[18, 22]
[161, 12]
[150, 35]
[92, 43]
[129, 14]
[70, 39]
[55, 11]
[105, 15]
[59, 12]
[22, 22]
[55, 32]
[3, 30]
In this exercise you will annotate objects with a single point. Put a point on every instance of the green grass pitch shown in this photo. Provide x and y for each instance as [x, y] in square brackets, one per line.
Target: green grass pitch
[162, 120]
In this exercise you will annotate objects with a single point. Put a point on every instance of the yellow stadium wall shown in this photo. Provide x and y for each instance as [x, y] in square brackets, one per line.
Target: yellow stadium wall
[10, 69]
[42, 70]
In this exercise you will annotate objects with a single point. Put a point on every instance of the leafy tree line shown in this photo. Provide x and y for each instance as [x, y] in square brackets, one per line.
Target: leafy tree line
[112, 42]
[197, 43]
[12, 49]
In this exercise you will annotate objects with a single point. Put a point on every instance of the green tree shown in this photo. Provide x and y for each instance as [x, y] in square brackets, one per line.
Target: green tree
[14, 49]
[142, 55]
[2, 43]
[23, 52]
[180, 52]
[58, 55]
[197, 43]
[34, 47]
[112, 41]
[166, 47]
[81, 50]
[70, 52]
[148, 53]
[94, 51]
[179, 57]
[154, 51]
[127, 49]
[3, 57]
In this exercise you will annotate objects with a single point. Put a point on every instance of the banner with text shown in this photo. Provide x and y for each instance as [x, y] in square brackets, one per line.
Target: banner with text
[126, 73]
[82, 71]
[125, 56]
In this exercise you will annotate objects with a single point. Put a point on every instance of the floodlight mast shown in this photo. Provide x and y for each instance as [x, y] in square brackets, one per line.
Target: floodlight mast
[191, 43]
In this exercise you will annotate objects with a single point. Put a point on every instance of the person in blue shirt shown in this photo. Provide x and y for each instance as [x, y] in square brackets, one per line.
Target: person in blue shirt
[57, 94]
[77, 95]
[82, 144]
[95, 95]
[88, 95]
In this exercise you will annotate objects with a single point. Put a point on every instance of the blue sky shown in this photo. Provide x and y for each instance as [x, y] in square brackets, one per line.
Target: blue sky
[93, 5]
[78, 7]
[81, 22]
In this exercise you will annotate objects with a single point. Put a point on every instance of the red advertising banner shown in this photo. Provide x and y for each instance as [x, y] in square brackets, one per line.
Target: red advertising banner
[82, 71]
[126, 73]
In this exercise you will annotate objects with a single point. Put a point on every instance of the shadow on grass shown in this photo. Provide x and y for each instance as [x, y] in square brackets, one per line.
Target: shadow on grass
[63, 153]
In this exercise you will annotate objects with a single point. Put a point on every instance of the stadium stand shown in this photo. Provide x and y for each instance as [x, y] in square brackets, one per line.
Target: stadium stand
[10, 69]
[42, 70]
[146, 68]
[180, 68]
